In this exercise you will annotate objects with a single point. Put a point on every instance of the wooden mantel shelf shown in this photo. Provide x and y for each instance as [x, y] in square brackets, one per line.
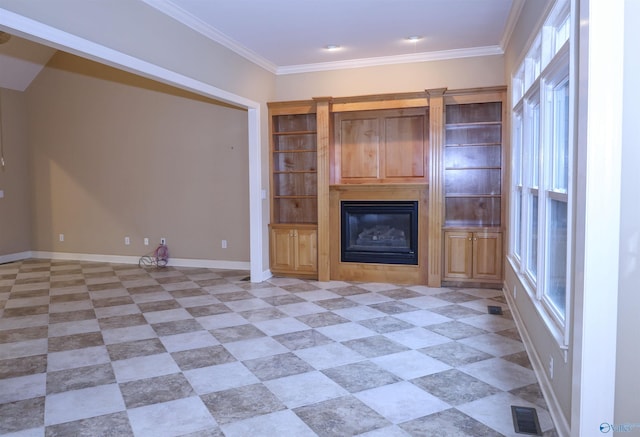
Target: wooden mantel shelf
[378, 187]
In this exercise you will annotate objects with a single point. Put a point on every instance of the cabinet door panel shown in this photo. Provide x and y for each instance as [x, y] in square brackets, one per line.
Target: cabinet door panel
[405, 145]
[282, 254]
[360, 145]
[487, 255]
[458, 255]
[307, 250]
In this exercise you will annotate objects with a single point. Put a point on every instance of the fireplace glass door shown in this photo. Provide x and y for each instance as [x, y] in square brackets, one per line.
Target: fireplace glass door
[384, 232]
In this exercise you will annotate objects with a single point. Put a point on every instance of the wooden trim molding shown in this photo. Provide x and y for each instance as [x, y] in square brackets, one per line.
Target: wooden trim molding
[380, 101]
[323, 109]
[436, 183]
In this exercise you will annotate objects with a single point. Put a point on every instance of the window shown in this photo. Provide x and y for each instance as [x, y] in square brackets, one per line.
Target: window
[554, 293]
[542, 156]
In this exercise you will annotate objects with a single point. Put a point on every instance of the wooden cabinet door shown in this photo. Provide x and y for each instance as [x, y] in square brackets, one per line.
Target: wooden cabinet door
[487, 255]
[405, 144]
[282, 250]
[386, 146]
[360, 149]
[294, 250]
[306, 242]
[458, 253]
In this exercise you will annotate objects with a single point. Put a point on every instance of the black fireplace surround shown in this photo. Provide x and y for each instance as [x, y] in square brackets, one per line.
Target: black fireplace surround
[384, 232]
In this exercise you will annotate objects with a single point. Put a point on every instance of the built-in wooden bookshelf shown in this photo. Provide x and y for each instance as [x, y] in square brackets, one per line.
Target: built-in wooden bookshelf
[446, 145]
[473, 184]
[294, 188]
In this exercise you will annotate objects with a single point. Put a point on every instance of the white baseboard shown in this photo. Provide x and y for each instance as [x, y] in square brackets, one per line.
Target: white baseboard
[266, 275]
[560, 422]
[209, 264]
[122, 259]
[12, 257]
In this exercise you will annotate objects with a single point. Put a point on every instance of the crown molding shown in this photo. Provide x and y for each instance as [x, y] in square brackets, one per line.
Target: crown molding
[389, 60]
[177, 13]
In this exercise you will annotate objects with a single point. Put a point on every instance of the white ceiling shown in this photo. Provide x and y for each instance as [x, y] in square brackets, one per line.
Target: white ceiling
[289, 36]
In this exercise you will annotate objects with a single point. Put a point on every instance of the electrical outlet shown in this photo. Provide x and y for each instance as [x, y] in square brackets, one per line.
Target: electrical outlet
[127, 241]
[224, 244]
[163, 241]
[550, 367]
[146, 241]
[61, 237]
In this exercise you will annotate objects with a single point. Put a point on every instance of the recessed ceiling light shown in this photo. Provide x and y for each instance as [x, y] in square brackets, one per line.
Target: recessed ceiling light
[413, 38]
[332, 47]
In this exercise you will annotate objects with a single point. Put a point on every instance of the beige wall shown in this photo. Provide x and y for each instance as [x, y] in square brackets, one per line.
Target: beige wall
[14, 179]
[164, 42]
[115, 155]
[451, 74]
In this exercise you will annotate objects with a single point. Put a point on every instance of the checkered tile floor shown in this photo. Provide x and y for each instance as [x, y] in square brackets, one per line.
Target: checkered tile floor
[94, 349]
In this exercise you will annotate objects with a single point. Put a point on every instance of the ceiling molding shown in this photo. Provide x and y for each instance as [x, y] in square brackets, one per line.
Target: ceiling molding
[389, 60]
[177, 13]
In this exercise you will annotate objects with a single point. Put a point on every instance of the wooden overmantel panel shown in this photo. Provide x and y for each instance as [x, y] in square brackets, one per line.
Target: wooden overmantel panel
[381, 146]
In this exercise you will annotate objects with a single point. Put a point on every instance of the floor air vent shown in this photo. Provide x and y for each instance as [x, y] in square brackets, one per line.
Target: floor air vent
[525, 420]
[494, 309]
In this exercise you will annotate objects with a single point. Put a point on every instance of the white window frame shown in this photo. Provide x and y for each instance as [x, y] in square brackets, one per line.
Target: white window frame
[531, 158]
[515, 242]
[547, 64]
[556, 73]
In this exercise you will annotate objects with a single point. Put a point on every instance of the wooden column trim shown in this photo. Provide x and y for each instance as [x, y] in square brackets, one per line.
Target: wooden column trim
[323, 131]
[436, 186]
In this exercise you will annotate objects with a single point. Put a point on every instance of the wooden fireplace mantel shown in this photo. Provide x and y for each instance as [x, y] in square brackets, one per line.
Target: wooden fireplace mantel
[370, 272]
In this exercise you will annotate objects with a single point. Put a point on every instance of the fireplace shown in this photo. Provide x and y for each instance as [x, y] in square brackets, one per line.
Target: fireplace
[384, 232]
